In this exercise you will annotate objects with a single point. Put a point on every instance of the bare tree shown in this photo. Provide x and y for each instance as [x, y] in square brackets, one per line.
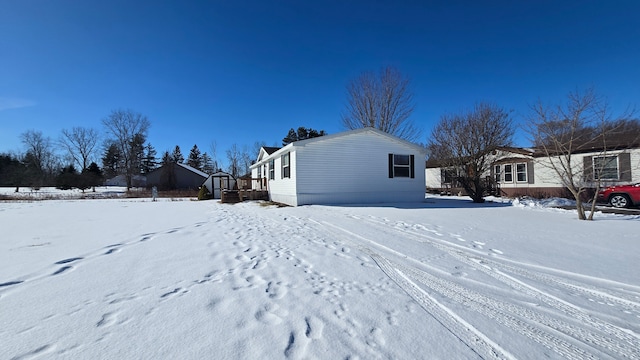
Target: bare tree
[583, 125]
[234, 156]
[40, 159]
[125, 126]
[80, 143]
[463, 144]
[213, 147]
[383, 101]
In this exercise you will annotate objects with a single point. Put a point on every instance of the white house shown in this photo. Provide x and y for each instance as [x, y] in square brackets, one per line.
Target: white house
[357, 166]
[518, 171]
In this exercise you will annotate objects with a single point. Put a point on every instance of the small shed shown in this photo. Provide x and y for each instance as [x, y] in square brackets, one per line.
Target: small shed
[220, 181]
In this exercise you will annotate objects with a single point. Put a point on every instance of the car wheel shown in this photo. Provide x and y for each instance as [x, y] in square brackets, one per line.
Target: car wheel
[619, 201]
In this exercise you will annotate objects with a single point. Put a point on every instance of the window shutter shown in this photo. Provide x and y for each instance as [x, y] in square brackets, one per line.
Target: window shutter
[412, 170]
[588, 168]
[624, 162]
[390, 166]
[530, 178]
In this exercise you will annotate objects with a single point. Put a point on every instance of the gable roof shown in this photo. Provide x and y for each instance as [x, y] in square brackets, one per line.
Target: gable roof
[193, 170]
[305, 142]
[270, 150]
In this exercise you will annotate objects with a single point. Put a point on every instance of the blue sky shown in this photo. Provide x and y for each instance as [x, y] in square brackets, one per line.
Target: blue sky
[246, 71]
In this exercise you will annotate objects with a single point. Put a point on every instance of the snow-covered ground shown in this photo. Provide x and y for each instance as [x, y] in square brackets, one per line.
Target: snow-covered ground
[443, 279]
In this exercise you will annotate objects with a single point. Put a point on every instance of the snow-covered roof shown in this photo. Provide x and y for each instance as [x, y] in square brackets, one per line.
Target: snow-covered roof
[194, 170]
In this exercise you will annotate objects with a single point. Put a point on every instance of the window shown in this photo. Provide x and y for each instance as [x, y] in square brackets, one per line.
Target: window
[401, 166]
[286, 169]
[496, 173]
[521, 172]
[605, 167]
[508, 173]
[272, 174]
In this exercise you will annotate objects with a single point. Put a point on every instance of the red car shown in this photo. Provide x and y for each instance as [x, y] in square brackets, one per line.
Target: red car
[621, 196]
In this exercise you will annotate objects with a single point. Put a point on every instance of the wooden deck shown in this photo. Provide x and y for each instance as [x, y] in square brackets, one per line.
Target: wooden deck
[236, 196]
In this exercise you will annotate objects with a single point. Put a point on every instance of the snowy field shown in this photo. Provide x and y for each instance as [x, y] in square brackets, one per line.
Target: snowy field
[443, 279]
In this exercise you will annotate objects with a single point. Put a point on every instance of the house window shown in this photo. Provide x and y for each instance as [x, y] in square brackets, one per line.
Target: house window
[496, 173]
[286, 168]
[272, 174]
[521, 172]
[401, 166]
[605, 167]
[508, 173]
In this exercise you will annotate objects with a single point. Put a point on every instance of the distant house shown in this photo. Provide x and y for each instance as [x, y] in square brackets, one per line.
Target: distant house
[176, 176]
[357, 166]
[220, 181]
[521, 171]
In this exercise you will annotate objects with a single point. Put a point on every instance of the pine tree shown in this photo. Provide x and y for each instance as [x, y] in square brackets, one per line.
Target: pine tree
[137, 154]
[195, 158]
[112, 160]
[207, 164]
[291, 137]
[166, 159]
[177, 155]
[149, 163]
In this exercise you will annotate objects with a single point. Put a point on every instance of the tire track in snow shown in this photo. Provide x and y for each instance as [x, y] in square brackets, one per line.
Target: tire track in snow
[475, 340]
[550, 336]
[619, 298]
[629, 344]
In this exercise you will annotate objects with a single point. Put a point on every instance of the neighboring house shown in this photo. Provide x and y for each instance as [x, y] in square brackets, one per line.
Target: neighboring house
[176, 176]
[357, 166]
[519, 172]
[220, 181]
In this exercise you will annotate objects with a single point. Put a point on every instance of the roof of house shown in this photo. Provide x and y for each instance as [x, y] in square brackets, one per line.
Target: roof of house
[270, 150]
[343, 134]
[193, 170]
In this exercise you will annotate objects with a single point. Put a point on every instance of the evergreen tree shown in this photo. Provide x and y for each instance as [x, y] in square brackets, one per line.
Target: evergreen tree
[149, 163]
[166, 159]
[112, 160]
[91, 176]
[68, 178]
[207, 164]
[137, 153]
[195, 158]
[292, 136]
[303, 133]
[177, 155]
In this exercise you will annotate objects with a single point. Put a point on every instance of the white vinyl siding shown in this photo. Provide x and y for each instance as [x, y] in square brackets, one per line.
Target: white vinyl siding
[355, 169]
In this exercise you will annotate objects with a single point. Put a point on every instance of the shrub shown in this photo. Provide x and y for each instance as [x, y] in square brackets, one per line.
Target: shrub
[204, 193]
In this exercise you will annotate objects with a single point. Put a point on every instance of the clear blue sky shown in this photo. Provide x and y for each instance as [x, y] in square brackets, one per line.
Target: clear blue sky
[247, 71]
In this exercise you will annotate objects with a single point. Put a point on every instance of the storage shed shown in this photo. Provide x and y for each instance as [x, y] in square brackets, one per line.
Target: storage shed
[220, 181]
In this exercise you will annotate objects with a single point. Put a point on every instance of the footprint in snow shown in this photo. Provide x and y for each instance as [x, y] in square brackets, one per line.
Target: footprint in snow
[69, 260]
[496, 251]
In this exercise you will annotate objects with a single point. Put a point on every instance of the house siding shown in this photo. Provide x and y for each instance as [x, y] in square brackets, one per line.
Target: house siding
[283, 190]
[355, 169]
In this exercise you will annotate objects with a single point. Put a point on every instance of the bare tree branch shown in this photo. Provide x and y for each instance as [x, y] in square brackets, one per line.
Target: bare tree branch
[383, 101]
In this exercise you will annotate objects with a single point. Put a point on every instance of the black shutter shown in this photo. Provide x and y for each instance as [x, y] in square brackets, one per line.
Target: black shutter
[624, 162]
[390, 166]
[412, 170]
[530, 178]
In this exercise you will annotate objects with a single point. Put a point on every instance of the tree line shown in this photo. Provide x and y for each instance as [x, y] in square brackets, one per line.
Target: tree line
[78, 159]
